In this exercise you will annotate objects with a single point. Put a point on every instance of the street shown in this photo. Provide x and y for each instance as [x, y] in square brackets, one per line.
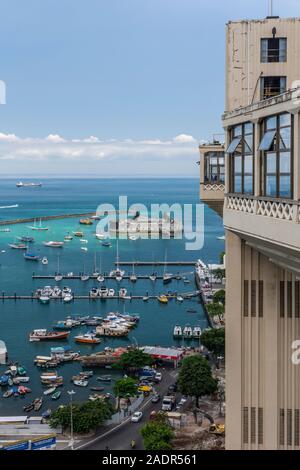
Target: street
[121, 437]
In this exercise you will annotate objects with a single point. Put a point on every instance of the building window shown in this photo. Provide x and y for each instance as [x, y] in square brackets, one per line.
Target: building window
[272, 86]
[276, 147]
[273, 50]
[214, 167]
[241, 162]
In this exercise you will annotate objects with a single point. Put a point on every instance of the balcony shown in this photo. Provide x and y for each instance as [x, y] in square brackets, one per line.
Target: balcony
[269, 225]
[212, 168]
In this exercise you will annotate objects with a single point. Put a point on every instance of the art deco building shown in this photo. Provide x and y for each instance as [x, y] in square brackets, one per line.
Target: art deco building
[262, 223]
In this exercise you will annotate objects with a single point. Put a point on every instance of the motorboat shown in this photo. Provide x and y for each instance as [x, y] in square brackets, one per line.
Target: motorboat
[145, 298]
[177, 333]
[94, 292]
[111, 292]
[44, 260]
[56, 395]
[103, 291]
[100, 236]
[100, 278]
[68, 238]
[122, 292]
[31, 256]
[133, 276]
[54, 244]
[18, 246]
[83, 240]
[44, 335]
[78, 234]
[66, 291]
[153, 277]
[84, 248]
[20, 184]
[188, 332]
[179, 298]
[37, 404]
[68, 298]
[49, 391]
[81, 383]
[197, 332]
[104, 378]
[58, 277]
[106, 244]
[84, 277]
[86, 222]
[87, 338]
[44, 299]
[167, 278]
[26, 239]
[163, 299]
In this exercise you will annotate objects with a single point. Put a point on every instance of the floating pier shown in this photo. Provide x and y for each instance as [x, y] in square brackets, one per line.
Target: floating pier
[185, 295]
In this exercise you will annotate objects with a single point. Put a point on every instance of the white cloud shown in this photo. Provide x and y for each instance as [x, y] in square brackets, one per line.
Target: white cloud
[8, 137]
[184, 139]
[55, 138]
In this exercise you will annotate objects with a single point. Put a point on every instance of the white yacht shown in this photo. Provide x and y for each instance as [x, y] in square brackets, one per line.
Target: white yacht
[197, 332]
[111, 292]
[122, 292]
[187, 332]
[177, 333]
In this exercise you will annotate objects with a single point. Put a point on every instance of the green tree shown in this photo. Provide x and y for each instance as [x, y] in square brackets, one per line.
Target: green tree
[219, 296]
[195, 378]
[87, 416]
[219, 274]
[157, 434]
[215, 310]
[126, 387]
[221, 257]
[133, 360]
[214, 340]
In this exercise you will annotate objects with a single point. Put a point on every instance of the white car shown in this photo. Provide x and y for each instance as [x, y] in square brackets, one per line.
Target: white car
[136, 417]
[158, 376]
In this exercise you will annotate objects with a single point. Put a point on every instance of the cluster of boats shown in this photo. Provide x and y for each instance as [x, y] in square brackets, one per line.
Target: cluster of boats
[58, 356]
[104, 291]
[14, 377]
[187, 332]
[46, 293]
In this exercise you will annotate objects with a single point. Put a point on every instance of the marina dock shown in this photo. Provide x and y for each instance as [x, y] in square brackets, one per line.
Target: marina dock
[156, 263]
[185, 295]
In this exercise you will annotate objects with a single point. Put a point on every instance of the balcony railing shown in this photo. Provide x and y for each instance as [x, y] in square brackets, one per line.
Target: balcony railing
[263, 206]
[213, 186]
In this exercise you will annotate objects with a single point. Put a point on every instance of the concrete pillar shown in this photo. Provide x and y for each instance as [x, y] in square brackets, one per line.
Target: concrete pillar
[233, 330]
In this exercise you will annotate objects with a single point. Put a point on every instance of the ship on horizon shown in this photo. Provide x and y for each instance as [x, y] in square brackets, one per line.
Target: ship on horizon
[20, 184]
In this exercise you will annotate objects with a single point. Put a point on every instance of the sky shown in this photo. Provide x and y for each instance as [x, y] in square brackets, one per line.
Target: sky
[114, 87]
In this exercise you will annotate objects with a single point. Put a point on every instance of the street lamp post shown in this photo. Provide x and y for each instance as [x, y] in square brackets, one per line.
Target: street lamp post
[71, 393]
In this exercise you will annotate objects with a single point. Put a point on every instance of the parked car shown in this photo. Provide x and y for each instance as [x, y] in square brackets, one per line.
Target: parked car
[158, 376]
[136, 417]
[172, 388]
[155, 398]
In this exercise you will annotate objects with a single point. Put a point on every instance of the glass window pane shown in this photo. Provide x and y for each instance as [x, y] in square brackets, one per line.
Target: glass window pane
[222, 178]
[271, 123]
[248, 184]
[221, 160]
[285, 119]
[285, 162]
[249, 143]
[285, 186]
[237, 184]
[271, 163]
[267, 140]
[248, 164]
[271, 186]
[248, 128]
[234, 144]
[237, 131]
[214, 161]
[237, 164]
[264, 50]
[285, 138]
[282, 50]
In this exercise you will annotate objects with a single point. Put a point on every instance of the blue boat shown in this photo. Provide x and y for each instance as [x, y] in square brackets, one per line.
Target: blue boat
[31, 257]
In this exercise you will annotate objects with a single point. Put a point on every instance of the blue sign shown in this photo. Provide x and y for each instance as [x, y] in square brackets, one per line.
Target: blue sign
[24, 445]
[44, 443]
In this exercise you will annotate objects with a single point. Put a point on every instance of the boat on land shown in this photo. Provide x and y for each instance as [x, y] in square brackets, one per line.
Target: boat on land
[20, 184]
[18, 246]
[39, 227]
[87, 338]
[31, 256]
[163, 299]
[44, 335]
[54, 244]
[26, 239]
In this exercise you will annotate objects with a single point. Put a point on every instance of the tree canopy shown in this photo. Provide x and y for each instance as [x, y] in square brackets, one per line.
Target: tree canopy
[133, 359]
[195, 377]
[215, 309]
[219, 296]
[125, 387]
[86, 416]
[214, 340]
[157, 434]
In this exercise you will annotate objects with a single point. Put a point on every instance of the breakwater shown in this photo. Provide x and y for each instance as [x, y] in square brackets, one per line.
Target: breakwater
[46, 217]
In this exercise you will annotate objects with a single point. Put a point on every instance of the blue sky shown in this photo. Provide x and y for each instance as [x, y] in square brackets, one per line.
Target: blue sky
[133, 74]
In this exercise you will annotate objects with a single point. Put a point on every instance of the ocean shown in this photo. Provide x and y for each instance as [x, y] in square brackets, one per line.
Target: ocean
[62, 196]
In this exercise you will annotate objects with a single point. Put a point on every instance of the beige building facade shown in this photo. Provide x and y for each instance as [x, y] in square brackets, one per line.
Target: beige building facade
[261, 219]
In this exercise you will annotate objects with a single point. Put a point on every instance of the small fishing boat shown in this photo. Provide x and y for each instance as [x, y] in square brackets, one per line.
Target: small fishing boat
[18, 246]
[122, 292]
[44, 260]
[97, 389]
[84, 277]
[68, 298]
[100, 278]
[26, 239]
[37, 404]
[177, 333]
[44, 335]
[81, 383]
[49, 391]
[145, 298]
[68, 237]
[78, 234]
[56, 395]
[179, 298]
[100, 236]
[21, 370]
[8, 393]
[86, 222]
[153, 277]
[94, 292]
[44, 299]
[104, 378]
[28, 407]
[163, 299]
[54, 244]
[106, 244]
[31, 256]
[111, 292]
[87, 338]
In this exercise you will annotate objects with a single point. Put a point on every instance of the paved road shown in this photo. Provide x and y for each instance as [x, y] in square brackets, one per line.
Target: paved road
[121, 437]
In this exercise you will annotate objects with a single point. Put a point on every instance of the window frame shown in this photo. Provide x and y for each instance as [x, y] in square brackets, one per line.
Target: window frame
[207, 166]
[263, 87]
[243, 155]
[267, 56]
[278, 151]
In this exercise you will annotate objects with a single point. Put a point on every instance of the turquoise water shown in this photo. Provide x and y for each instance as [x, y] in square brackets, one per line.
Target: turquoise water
[58, 196]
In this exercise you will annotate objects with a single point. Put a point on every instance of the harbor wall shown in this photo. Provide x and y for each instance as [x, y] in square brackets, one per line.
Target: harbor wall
[45, 217]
